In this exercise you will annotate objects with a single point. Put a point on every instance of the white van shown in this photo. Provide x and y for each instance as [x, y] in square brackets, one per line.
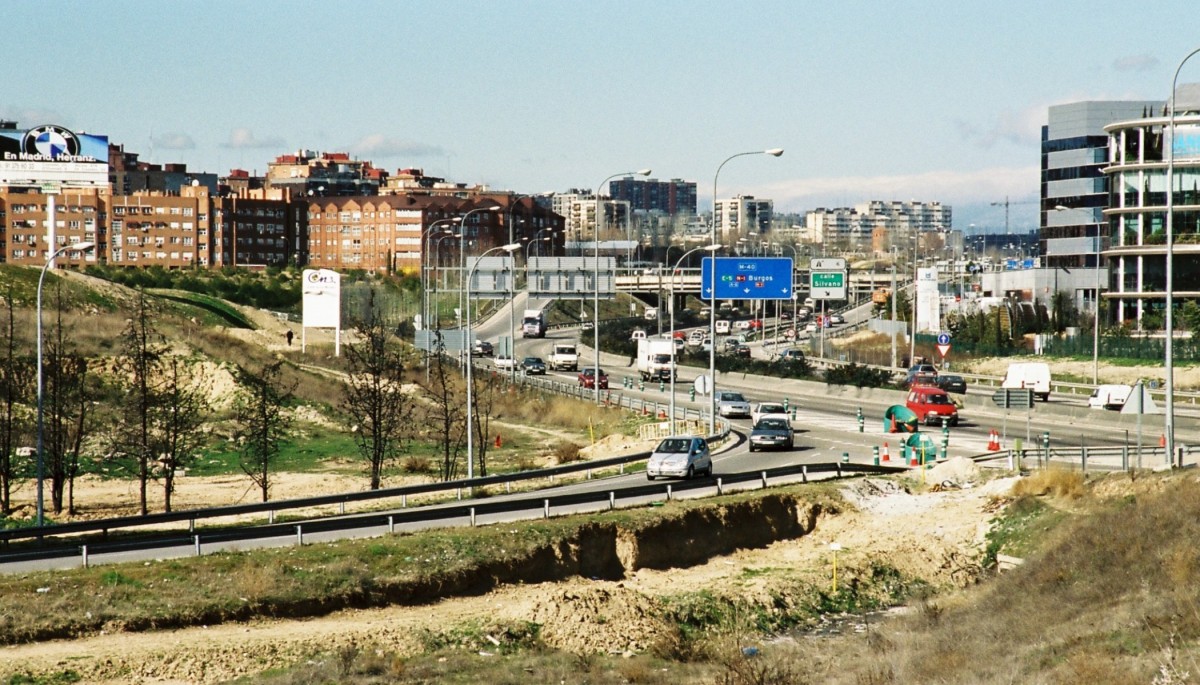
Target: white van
[1110, 396]
[1034, 376]
[722, 327]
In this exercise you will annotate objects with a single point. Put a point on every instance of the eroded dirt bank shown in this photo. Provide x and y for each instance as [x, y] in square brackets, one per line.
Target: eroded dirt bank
[603, 590]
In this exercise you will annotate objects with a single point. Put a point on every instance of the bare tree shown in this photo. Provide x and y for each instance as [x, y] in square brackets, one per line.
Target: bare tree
[67, 401]
[375, 397]
[181, 406]
[446, 412]
[487, 387]
[140, 349]
[16, 379]
[263, 424]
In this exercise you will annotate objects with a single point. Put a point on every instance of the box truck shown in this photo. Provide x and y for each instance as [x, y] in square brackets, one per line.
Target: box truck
[654, 358]
[533, 324]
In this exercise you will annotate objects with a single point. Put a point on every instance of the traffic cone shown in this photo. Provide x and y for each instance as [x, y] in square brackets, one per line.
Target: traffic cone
[886, 455]
[892, 429]
[1162, 440]
[499, 442]
[645, 411]
[993, 441]
[662, 413]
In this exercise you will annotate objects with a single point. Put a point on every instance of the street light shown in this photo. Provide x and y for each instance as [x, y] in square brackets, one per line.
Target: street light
[437, 254]
[470, 364]
[462, 256]
[426, 236]
[712, 300]
[1169, 347]
[596, 275]
[709, 248]
[41, 435]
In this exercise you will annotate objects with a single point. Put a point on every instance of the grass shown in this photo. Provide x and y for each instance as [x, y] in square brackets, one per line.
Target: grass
[215, 312]
[308, 580]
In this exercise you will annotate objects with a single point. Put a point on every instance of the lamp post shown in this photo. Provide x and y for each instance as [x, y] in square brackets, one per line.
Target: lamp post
[462, 261]
[1169, 346]
[712, 300]
[709, 248]
[470, 363]
[426, 237]
[41, 434]
[596, 276]
[791, 285]
[437, 247]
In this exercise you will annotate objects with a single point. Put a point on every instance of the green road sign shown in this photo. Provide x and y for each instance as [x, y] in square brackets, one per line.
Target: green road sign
[827, 285]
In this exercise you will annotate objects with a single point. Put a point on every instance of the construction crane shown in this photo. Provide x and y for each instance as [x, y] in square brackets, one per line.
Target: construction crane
[1006, 203]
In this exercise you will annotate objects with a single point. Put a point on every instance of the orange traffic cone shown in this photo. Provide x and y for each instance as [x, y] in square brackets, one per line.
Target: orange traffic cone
[498, 440]
[892, 429]
[645, 411]
[1162, 440]
[993, 441]
[662, 413]
[886, 455]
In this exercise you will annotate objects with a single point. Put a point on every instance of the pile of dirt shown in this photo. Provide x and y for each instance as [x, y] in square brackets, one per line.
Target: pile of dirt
[608, 617]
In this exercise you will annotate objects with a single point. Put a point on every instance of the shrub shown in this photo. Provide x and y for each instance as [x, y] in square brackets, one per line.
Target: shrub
[567, 452]
[859, 376]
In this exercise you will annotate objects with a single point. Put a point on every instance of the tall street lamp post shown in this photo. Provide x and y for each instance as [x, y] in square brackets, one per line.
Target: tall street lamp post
[712, 300]
[462, 263]
[596, 275]
[437, 258]
[470, 363]
[1169, 347]
[671, 332]
[41, 434]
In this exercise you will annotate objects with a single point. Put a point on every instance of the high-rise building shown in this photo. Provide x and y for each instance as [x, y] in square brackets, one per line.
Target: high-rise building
[1135, 240]
[1074, 190]
[651, 195]
[742, 215]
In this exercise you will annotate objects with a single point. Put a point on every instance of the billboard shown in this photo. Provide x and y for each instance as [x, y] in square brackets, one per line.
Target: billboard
[929, 315]
[322, 298]
[52, 155]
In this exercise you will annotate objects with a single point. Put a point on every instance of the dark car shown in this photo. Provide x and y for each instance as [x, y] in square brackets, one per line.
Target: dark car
[587, 378]
[533, 366]
[921, 374]
[772, 432]
[791, 355]
[482, 348]
[742, 351]
[950, 383]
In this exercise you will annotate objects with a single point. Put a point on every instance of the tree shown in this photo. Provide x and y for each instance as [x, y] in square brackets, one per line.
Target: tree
[263, 424]
[484, 399]
[375, 395]
[16, 381]
[67, 400]
[140, 349]
[447, 412]
[180, 407]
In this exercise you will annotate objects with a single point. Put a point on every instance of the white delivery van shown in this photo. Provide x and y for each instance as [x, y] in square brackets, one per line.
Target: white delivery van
[1034, 376]
[1110, 396]
[722, 327]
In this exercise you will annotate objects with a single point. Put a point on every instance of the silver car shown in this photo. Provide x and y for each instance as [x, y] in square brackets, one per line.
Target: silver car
[732, 404]
[772, 432]
[680, 456]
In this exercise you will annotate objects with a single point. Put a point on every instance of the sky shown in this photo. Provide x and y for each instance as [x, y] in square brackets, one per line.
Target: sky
[930, 101]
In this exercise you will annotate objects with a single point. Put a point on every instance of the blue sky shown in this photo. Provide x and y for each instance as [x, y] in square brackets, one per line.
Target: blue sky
[933, 101]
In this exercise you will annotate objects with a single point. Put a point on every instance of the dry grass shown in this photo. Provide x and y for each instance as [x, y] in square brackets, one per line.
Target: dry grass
[567, 452]
[1055, 481]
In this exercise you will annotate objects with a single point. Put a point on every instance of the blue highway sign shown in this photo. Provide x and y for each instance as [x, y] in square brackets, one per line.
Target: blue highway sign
[747, 278]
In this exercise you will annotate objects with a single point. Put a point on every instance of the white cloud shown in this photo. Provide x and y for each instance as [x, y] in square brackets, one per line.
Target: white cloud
[243, 138]
[1142, 62]
[379, 145]
[1020, 127]
[175, 141]
[947, 187]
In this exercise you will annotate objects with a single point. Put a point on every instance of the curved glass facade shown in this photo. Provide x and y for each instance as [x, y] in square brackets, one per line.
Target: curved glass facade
[1136, 215]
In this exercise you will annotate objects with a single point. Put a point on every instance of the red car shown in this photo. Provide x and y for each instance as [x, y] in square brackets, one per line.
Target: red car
[756, 324]
[587, 378]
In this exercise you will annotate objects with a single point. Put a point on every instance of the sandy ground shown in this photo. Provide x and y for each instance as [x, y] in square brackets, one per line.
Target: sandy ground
[934, 535]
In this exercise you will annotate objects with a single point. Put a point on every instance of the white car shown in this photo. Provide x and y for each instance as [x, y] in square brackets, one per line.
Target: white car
[742, 325]
[504, 363]
[732, 404]
[680, 456]
[811, 327]
[835, 319]
[764, 409]
[696, 338]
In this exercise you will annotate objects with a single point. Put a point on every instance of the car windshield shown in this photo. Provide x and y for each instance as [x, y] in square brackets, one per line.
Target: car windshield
[770, 409]
[674, 446]
[936, 398]
[533, 360]
[771, 424]
[952, 379]
[732, 397]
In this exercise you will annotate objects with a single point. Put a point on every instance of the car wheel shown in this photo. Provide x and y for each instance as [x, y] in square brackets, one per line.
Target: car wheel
[649, 477]
[708, 471]
[752, 447]
[691, 473]
[791, 445]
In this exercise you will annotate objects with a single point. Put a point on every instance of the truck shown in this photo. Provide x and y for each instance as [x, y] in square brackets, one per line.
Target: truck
[654, 358]
[564, 357]
[533, 324]
[1033, 376]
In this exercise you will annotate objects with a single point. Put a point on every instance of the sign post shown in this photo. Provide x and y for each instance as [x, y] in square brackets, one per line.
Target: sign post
[943, 345]
[322, 305]
[827, 278]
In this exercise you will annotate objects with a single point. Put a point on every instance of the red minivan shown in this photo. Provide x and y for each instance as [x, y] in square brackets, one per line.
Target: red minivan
[932, 405]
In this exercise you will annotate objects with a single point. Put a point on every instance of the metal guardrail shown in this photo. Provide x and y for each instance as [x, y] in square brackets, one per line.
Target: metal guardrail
[535, 503]
[193, 516]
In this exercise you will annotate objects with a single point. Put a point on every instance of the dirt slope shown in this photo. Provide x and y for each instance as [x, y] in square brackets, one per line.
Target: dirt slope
[933, 535]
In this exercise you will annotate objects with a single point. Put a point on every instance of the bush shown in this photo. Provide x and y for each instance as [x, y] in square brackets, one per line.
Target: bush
[859, 376]
[567, 452]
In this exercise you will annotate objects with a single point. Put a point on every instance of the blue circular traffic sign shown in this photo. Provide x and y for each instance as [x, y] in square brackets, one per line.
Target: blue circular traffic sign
[943, 339]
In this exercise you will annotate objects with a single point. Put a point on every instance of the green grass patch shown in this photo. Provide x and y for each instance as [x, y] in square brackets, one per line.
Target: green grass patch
[216, 311]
